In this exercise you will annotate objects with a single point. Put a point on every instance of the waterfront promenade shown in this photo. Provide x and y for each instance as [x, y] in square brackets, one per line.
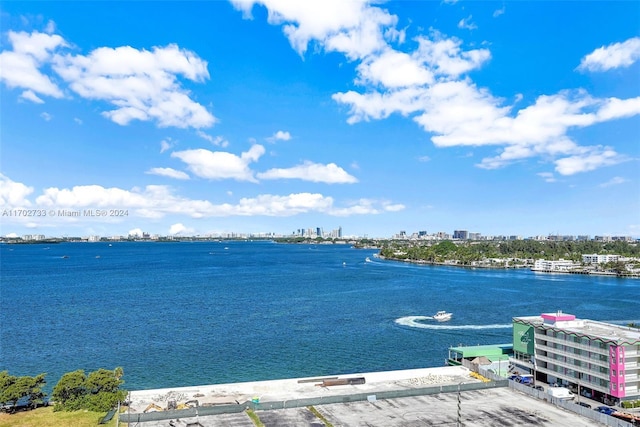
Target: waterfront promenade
[416, 397]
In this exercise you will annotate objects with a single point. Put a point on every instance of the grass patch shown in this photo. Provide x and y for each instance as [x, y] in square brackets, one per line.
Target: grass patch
[254, 417]
[45, 417]
[319, 416]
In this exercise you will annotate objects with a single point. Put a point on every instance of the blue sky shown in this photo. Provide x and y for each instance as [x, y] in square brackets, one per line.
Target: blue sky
[503, 118]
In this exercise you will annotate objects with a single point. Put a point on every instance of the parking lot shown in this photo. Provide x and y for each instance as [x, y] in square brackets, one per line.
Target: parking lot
[482, 408]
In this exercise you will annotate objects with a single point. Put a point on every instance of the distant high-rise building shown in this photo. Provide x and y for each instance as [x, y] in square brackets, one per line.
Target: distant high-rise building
[461, 234]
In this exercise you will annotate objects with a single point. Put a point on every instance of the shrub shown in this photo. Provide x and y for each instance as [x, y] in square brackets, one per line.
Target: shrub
[99, 391]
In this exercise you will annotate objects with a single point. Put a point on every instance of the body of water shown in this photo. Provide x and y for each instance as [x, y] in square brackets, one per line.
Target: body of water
[180, 314]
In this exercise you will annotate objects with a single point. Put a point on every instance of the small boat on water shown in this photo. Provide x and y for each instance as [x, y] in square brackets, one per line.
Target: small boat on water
[442, 316]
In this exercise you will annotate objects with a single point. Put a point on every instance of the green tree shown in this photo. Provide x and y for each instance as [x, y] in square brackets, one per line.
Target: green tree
[69, 391]
[444, 248]
[99, 391]
[14, 389]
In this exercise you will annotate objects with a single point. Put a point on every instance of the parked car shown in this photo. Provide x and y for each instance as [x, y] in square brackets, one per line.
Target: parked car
[586, 405]
[538, 387]
[524, 379]
[605, 410]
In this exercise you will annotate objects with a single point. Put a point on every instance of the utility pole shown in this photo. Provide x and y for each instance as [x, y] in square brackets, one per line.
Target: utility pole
[459, 423]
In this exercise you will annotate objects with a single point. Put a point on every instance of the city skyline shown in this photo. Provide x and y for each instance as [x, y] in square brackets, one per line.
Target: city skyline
[336, 233]
[500, 118]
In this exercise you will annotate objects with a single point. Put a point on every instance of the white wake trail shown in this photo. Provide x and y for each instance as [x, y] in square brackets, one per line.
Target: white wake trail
[417, 322]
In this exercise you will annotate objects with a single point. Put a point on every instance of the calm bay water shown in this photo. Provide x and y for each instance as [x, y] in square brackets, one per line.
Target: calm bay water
[179, 314]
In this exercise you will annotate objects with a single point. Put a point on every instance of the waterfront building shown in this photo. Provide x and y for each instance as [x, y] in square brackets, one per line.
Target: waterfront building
[34, 237]
[495, 358]
[595, 359]
[599, 259]
[559, 265]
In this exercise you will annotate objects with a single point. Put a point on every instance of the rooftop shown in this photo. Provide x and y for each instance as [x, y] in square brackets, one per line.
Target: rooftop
[489, 351]
[595, 330]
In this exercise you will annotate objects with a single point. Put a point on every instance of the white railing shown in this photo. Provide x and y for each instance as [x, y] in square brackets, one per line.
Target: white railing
[569, 365]
[571, 344]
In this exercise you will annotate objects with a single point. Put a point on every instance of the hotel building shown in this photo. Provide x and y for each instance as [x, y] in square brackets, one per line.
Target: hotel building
[596, 359]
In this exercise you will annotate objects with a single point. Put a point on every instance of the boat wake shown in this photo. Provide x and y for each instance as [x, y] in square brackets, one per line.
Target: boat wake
[417, 322]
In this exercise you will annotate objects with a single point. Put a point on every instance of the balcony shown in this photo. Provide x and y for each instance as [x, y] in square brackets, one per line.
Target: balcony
[570, 344]
[570, 355]
[569, 365]
[630, 378]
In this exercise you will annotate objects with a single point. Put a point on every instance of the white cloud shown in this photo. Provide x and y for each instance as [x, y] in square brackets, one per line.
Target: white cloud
[499, 12]
[615, 55]
[168, 172]
[367, 207]
[588, 159]
[431, 84]
[46, 116]
[616, 180]
[136, 232]
[445, 56]
[221, 165]
[166, 144]
[141, 84]
[393, 69]
[21, 66]
[457, 113]
[13, 194]
[179, 228]
[308, 171]
[29, 95]
[50, 27]
[424, 159]
[350, 27]
[547, 176]
[280, 136]
[218, 140]
[158, 201]
[389, 207]
[466, 23]
[77, 120]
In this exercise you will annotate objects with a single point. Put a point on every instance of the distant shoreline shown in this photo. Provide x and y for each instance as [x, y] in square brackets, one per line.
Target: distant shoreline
[510, 267]
[453, 264]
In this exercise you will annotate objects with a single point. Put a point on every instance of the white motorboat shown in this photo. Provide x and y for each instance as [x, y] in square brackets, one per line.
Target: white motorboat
[442, 316]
